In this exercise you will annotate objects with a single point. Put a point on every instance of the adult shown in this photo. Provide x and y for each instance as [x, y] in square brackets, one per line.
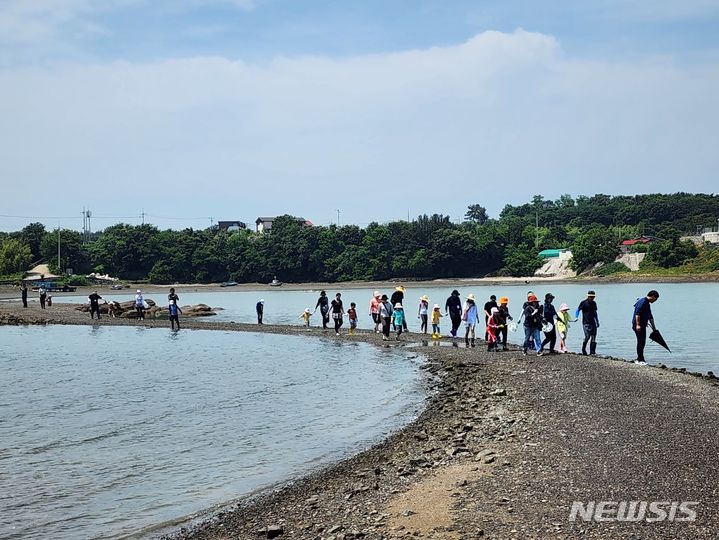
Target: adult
[398, 298]
[94, 304]
[324, 304]
[260, 309]
[374, 304]
[471, 318]
[140, 305]
[175, 311]
[502, 317]
[641, 318]
[172, 298]
[43, 296]
[532, 325]
[23, 294]
[590, 322]
[385, 313]
[453, 308]
[491, 303]
[338, 312]
[550, 317]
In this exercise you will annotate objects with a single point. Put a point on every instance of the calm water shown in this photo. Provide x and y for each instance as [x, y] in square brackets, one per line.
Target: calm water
[685, 313]
[108, 432]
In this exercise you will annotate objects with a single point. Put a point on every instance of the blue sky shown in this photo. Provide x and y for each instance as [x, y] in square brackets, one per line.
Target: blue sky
[232, 109]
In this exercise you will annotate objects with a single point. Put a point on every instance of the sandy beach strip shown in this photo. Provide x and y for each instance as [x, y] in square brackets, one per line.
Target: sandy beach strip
[504, 448]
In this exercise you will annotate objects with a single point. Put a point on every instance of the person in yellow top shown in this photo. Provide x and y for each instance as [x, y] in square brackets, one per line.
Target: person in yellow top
[436, 314]
[305, 316]
[563, 321]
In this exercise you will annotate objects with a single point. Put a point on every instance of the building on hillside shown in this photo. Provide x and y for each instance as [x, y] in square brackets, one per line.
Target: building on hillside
[552, 253]
[711, 237]
[264, 224]
[231, 226]
[626, 246]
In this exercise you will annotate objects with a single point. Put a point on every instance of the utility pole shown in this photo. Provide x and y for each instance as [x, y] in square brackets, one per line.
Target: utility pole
[536, 228]
[212, 222]
[58, 247]
[338, 217]
[143, 216]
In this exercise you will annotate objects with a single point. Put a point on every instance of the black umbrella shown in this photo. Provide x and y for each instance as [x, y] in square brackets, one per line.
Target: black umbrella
[656, 337]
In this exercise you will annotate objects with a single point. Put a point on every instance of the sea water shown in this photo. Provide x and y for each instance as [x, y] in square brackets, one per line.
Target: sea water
[113, 431]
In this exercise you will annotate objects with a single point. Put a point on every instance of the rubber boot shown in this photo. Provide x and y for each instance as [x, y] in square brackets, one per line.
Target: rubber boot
[472, 342]
[593, 348]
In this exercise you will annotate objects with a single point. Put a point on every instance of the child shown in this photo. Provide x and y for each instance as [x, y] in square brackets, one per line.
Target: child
[470, 316]
[492, 329]
[436, 314]
[305, 316]
[563, 321]
[174, 314]
[423, 312]
[352, 316]
[398, 316]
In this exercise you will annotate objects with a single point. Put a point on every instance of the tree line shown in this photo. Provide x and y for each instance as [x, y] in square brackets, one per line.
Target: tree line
[427, 247]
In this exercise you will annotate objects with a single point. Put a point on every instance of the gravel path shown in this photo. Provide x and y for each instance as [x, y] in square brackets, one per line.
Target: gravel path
[505, 446]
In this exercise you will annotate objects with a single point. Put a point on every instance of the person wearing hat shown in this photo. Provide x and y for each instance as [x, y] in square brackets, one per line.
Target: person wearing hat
[640, 319]
[453, 308]
[532, 325]
[305, 316]
[492, 327]
[423, 313]
[338, 312]
[502, 317]
[470, 315]
[436, 315]
[492, 303]
[385, 313]
[562, 325]
[590, 322]
[140, 305]
[324, 304]
[549, 314]
[94, 304]
[260, 309]
[398, 316]
[374, 310]
[398, 298]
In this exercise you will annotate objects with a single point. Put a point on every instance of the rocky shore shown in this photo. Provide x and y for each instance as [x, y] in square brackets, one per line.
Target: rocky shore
[506, 445]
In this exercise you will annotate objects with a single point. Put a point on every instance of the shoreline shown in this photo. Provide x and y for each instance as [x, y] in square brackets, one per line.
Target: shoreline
[503, 446]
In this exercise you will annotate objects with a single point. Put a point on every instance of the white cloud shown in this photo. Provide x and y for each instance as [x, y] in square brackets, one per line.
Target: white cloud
[495, 119]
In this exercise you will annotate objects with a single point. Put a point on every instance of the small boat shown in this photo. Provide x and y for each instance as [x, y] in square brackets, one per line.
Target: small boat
[275, 282]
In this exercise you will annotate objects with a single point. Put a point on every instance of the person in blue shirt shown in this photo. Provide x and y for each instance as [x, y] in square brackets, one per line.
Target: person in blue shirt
[590, 322]
[641, 318]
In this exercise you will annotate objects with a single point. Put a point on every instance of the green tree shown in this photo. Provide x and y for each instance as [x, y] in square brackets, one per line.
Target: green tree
[595, 244]
[14, 256]
[476, 214]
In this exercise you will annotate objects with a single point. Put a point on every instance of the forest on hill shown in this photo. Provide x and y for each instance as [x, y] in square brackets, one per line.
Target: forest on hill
[426, 247]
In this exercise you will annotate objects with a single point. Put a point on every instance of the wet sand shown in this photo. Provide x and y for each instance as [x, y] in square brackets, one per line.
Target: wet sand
[505, 445]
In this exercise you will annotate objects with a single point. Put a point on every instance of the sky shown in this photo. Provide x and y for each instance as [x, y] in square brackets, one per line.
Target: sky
[194, 111]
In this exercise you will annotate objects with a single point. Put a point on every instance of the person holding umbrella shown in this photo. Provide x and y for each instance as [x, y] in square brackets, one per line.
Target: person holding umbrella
[641, 318]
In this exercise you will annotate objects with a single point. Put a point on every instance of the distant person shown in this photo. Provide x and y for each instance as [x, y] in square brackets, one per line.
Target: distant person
[453, 308]
[641, 318]
[423, 313]
[43, 296]
[491, 303]
[338, 312]
[23, 294]
[175, 311]
[352, 317]
[590, 322]
[374, 304]
[549, 314]
[305, 316]
[172, 298]
[532, 325]
[563, 321]
[260, 309]
[492, 328]
[385, 313]
[49, 300]
[114, 309]
[140, 305]
[94, 304]
[470, 315]
[398, 298]
[502, 317]
[324, 304]
[436, 316]
[399, 321]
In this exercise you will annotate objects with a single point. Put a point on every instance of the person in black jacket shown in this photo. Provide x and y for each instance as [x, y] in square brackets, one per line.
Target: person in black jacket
[94, 304]
[590, 322]
[550, 316]
[398, 298]
[23, 294]
[260, 308]
[324, 304]
[453, 308]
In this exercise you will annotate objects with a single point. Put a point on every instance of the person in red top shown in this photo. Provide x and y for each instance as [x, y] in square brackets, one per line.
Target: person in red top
[352, 316]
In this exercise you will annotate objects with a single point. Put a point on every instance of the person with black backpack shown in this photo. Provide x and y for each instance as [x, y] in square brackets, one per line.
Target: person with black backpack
[532, 325]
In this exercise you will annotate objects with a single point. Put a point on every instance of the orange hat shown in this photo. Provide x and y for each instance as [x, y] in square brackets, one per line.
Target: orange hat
[504, 300]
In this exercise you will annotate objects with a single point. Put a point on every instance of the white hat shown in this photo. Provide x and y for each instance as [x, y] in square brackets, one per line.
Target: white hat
[262, 300]
[376, 293]
[470, 296]
[138, 291]
[436, 306]
[398, 306]
[308, 310]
